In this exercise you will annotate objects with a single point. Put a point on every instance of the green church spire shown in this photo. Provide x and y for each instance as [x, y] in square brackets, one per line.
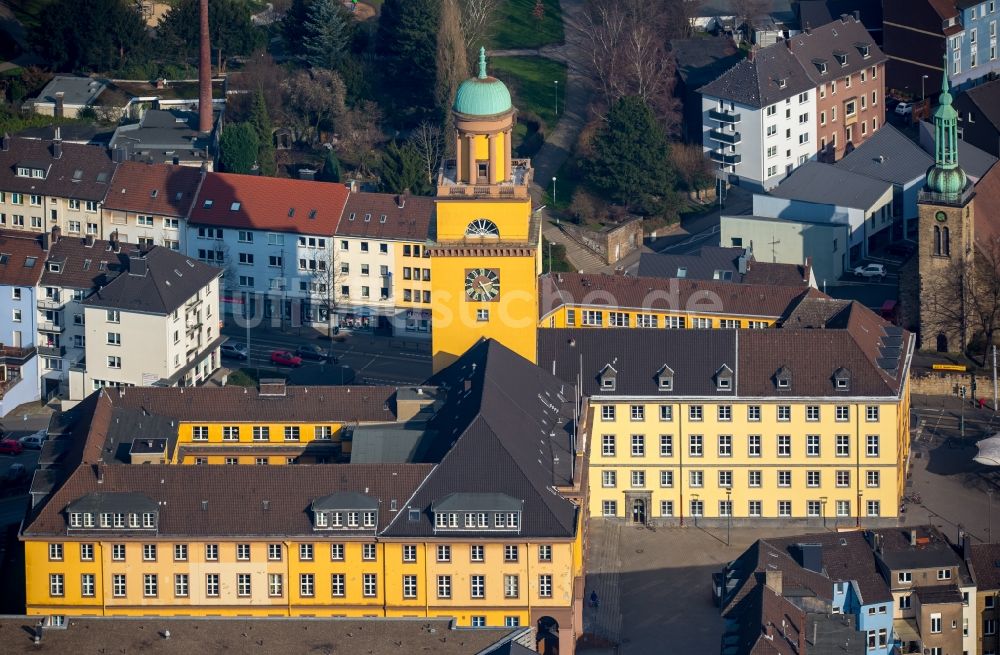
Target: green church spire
[946, 177]
[482, 63]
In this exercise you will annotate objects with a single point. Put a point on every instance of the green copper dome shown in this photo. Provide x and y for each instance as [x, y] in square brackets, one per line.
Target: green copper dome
[949, 181]
[482, 95]
[946, 177]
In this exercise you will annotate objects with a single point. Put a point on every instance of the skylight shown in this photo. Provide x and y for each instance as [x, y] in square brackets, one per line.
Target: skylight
[207, 205]
[29, 262]
[235, 207]
[312, 213]
[154, 193]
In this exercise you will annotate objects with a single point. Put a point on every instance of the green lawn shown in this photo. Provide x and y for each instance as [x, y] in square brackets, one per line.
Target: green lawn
[517, 27]
[554, 258]
[531, 81]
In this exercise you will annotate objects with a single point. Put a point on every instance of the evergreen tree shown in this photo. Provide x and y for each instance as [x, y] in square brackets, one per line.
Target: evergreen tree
[407, 41]
[293, 24]
[402, 169]
[238, 148]
[229, 27]
[91, 35]
[631, 159]
[331, 167]
[261, 122]
[326, 34]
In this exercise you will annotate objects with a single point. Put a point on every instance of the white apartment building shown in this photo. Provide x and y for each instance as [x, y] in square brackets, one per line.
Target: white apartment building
[759, 119]
[156, 323]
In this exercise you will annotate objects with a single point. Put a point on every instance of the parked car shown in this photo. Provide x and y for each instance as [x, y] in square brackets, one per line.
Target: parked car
[285, 358]
[235, 350]
[870, 271]
[314, 352]
[904, 248]
[904, 109]
[34, 441]
[10, 447]
[15, 472]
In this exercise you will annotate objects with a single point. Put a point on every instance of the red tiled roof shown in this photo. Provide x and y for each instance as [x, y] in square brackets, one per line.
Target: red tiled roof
[15, 248]
[153, 188]
[269, 203]
[380, 216]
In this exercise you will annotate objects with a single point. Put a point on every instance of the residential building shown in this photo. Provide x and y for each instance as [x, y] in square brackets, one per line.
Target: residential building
[916, 33]
[155, 323]
[48, 183]
[890, 156]
[979, 116]
[274, 239]
[755, 426]
[823, 193]
[759, 118]
[847, 68]
[21, 262]
[382, 270]
[792, 241]
[164, 137]
[734, 264]
[473, 527]
[486, 251]
[66, 96]
[826, 585]
[699, 60]
[608, 301]
[148, 204]
[935, 597]
[74, 268]
[982, 562]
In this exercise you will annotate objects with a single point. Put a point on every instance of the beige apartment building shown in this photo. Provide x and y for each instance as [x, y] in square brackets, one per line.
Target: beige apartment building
[155, 323]
[148, 204]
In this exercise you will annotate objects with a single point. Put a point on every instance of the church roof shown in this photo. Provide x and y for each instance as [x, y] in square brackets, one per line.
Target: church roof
[482, 95]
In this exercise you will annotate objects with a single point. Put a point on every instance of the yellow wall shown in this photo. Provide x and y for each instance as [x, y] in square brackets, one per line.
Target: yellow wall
[388, 566]
[259, 448]
[481, 148]
[558, 318]
[740, 463]
[512, 218]
[416, 283]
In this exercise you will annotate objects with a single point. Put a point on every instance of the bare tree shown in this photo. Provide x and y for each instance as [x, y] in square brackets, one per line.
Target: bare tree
[747, 11]
[312, 98]
[452, 57]
[325, 276]
[429, 143]
[360, 136]
[693, 168]
[477, 20]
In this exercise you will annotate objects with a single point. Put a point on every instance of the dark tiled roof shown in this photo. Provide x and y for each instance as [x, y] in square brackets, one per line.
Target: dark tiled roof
[16, 250]
[701, 60]
[269, 203]
[764, 623]
[827, 184]
[888, 155]
[843, 37]
[986, 566]
[81, 173]
[411, 222]
[160, 189]
[656, 293]
[816, 311]
[509, 422]
[987, 99]
[932, 549]
[811, 356]
[757, 82]
[157, 282]
[374, 636]
[289, 490]
[710, 259]
[85, 266]
[937, 594]
[846, 556]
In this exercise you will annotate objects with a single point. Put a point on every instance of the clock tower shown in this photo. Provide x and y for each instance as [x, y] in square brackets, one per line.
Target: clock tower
[945, 240]
[486, 252]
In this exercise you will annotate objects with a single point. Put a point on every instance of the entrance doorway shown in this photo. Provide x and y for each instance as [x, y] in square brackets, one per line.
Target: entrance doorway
[942, 343]
[547, 637]
[639, 511]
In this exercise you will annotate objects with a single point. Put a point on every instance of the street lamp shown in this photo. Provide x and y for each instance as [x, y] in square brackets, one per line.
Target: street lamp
[860, 494]
[694, 502]
[553, 191]
[822, 502]
[556, 82]
[729, 512]
[923, 96]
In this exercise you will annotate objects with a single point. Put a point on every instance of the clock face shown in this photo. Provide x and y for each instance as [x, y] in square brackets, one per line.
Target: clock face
[482, 284]
[941, 217]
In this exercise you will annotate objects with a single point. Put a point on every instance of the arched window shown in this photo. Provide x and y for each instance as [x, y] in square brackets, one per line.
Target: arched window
[937, 240]
[945, 242]
[482, 227]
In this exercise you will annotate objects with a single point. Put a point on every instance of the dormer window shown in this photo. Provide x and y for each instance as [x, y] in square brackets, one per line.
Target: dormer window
[724, 378]
[782, 82]
[783, 378]
[842, 379]
[109, 511]
[608, 378]
[820, 65]
[841, 58]
[23, 171]
[345, 510]
[665, 378]
[864, 49]
[477, 512]
[55, 267]
[322, 520]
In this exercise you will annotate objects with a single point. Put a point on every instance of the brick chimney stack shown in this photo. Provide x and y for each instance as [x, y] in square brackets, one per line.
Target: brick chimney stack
[205, 75]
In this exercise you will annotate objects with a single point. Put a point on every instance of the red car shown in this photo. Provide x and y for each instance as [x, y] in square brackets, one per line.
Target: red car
[285, 358]
[10, 447]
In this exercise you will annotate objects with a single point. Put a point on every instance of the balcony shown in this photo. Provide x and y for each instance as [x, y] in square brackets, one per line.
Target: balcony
[731, 159]
[48, 350]
[724, 116]
[48, 326]
[957, 199]
[49, 303]
[14, 356]
[516, 187]
[732, 138]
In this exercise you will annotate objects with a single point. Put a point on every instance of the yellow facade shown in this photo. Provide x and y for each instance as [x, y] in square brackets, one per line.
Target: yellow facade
[203, 442]
[840, 456]
[412, 281]
[348, 578]
[571, 315]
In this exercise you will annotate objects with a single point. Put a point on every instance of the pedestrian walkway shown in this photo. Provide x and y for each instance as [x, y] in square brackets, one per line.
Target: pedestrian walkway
[580, 257]
[603, 577]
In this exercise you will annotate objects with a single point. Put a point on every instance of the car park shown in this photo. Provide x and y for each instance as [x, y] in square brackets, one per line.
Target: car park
[235, 350]
[285, 358]
[876, 271]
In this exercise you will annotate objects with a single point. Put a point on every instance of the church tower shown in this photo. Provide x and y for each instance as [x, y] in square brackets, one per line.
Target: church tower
[486, 254]
[945, 240]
